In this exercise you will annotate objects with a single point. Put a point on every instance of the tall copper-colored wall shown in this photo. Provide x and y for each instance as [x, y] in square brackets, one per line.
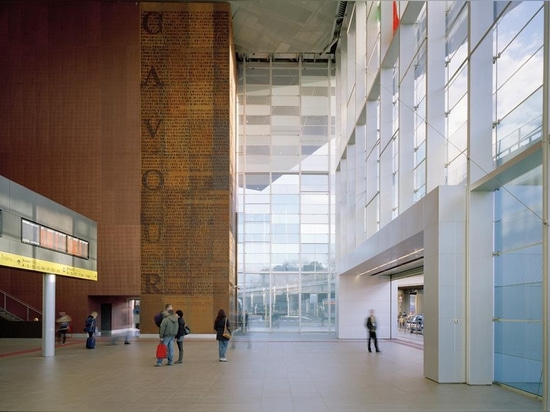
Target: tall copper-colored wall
[70, 115]
[72, 131]
[187, 239]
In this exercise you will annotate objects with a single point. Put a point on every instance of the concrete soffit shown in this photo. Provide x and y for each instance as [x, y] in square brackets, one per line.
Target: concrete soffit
[398, 248]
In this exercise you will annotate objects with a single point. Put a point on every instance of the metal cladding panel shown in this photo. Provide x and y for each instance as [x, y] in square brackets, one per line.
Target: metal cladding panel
[18, 205]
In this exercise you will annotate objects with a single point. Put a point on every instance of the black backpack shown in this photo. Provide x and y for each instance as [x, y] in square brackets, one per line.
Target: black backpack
[158, 319]
[89, 326]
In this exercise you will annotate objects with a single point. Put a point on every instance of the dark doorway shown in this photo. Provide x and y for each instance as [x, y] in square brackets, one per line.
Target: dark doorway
[106, 318]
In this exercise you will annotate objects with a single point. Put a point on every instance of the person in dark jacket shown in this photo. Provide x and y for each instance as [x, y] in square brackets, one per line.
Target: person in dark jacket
[223, 342]
[371, 326]
[168, 331]
[89, 326]
[64, 322]
[180, 335]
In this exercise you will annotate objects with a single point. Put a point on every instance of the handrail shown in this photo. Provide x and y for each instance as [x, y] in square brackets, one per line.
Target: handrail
[18, 308]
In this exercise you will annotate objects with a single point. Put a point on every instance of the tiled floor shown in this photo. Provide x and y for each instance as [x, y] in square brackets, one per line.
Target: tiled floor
[265, 372]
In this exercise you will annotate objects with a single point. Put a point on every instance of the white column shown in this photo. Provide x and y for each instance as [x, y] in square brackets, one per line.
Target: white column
[407, 48]
[479, 290]
[372, 175]
[546, 215]
[393, 327]
[444, 285]
[386, 159]
[479, 226]
[48, 310]
[436, 145]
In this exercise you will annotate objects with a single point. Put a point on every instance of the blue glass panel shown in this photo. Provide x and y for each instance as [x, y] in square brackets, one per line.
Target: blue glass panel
[518, 300]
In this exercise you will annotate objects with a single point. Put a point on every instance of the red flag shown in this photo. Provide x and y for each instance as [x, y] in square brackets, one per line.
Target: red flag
[395, 16]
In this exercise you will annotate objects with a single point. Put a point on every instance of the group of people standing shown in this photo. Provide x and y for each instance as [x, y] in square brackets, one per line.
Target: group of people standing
[172, 328]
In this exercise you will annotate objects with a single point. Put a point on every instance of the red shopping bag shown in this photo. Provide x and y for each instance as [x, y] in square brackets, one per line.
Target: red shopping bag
[161, 351]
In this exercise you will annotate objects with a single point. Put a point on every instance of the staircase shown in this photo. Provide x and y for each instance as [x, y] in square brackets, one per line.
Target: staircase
[14, 309]
[8, 316]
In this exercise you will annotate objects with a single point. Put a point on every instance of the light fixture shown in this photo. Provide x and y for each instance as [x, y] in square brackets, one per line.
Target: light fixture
[391, 262]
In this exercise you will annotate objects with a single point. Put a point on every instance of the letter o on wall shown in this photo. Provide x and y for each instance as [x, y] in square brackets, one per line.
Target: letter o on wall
[153, 179]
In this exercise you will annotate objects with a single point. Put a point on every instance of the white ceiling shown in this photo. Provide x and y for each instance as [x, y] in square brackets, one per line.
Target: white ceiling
[267, 27]
[285, 26]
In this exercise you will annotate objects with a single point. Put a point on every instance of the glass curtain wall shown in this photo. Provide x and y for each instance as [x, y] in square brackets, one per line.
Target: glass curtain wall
[395, 141]
[456, 91]
[518, 283]
[518, 227]
[517, 73]
[285, 207]
[419, 73]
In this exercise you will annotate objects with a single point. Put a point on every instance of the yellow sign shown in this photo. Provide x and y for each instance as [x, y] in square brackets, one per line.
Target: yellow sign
[43, 266]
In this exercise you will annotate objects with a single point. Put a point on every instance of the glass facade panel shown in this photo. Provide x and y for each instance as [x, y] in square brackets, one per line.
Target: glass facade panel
[257, 150]
[317, 219]
[518, 106]
[315, 183]
[284, 186]
[456, 90]
[518, 283]
[419, 95]
[285, 209]
[285, 218]
[285, 238]
[518, 76]
[285, 262]
[315, 301]
[520, 128]
[256, 262]
[419, 181]
[315, 209]
[457, 34]
[257, 208]
[435, 109]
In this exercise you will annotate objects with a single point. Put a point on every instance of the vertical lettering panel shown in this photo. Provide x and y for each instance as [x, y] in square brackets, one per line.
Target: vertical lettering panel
[185, 146]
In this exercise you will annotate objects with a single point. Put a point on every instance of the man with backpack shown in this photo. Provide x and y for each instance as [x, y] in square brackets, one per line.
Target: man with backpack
[161, 315]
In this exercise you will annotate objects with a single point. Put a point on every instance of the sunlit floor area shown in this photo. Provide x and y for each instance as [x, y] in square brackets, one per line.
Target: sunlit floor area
[413, 338]
[264, 372]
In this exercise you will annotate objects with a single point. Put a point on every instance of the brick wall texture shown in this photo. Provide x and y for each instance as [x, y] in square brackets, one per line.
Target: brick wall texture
[123, 112]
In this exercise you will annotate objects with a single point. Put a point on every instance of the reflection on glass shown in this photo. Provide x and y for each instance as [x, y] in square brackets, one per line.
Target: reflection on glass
[518, 303]
[283, 198]
[518, 72]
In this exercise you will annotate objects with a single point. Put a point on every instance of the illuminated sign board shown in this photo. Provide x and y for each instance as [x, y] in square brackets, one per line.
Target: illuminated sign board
[40, 235]
[34, 234]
